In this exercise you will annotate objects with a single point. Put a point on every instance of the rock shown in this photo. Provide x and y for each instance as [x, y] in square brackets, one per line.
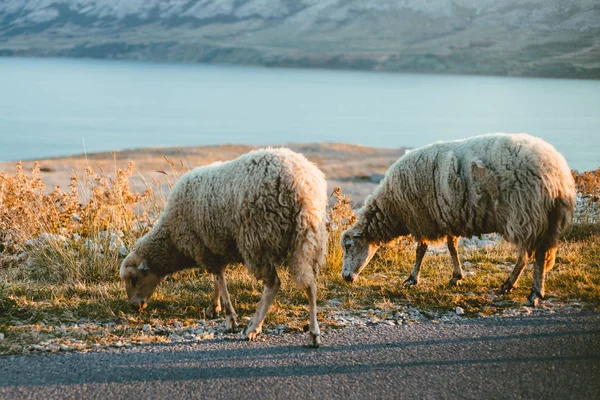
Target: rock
[146, 328]
[64, 347]
[1, 337]
[176, 338]
[31, 243]
[52, 237]
[123, 251]
[460, 311]
[334, 302]
[92, 246]
[177, 325]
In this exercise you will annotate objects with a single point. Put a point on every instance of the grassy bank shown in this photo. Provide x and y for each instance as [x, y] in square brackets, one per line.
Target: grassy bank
[60, 252]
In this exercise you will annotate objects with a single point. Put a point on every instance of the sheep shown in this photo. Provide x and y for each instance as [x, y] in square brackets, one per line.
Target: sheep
[264, 209]
[514, 184]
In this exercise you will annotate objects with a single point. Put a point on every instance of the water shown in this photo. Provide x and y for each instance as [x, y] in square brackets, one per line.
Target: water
[51, 107]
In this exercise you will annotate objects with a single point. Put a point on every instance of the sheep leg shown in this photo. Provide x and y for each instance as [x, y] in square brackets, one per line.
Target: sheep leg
[230, 315]
[544, 261]
[413, 279]
[213, 310]
[511, 282]
[313, 324]
[457, 274]
[268, 296]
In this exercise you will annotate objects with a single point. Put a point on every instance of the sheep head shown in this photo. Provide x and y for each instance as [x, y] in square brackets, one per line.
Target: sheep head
[357, 253]
[140, 281]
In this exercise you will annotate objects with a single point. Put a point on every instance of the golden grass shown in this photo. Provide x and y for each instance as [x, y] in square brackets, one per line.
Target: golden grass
[72, 278]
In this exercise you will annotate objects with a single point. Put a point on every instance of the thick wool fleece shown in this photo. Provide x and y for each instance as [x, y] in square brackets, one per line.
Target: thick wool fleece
[514, 184]
[265, 208]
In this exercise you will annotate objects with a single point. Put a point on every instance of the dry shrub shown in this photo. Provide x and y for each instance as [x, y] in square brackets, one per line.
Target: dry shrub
[73, 236]
[340, 217]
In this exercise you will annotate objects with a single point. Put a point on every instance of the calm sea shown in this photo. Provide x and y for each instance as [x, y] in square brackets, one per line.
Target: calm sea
[51, 107]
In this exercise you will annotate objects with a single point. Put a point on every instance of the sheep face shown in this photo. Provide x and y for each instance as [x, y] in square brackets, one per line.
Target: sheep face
[139, 280]
[357, 253]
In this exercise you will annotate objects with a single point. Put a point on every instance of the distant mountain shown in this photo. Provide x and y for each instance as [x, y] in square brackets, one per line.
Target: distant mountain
[555, 38]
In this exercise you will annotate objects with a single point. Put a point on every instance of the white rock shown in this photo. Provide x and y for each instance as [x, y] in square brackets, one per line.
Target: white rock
[92, 246]
[1, 337]
[123, 251]
[51, 237]
[146, 327]
[31, 242]
[460, 311]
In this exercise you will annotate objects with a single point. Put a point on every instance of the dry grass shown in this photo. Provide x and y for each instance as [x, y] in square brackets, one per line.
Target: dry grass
[71, 276]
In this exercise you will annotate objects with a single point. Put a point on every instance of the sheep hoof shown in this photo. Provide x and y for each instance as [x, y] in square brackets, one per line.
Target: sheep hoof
[212, 312]
[314, 340]
[455, 282]
[409, 282]
[252, 333]
[230, 324]
[506, 288]
[533, 299]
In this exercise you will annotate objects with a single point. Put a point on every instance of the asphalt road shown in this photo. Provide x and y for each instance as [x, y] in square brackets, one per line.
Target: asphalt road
[543, 357]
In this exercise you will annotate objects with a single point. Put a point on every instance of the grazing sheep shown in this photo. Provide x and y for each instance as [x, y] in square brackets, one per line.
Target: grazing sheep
[516, 185]
[265, 208]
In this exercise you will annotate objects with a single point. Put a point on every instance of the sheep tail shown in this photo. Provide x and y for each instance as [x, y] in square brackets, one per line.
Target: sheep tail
[310, 239]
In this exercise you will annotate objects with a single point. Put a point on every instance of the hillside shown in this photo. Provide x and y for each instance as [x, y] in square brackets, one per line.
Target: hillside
[553, 38]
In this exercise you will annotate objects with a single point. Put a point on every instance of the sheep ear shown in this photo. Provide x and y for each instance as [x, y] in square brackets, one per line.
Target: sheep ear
[143, 266]
[357, 234]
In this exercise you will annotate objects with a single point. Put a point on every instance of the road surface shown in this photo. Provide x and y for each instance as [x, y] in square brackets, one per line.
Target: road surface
[543, 357]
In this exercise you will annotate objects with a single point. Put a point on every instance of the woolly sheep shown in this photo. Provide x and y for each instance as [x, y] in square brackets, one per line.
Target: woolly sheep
[516, 185]
[265, 208]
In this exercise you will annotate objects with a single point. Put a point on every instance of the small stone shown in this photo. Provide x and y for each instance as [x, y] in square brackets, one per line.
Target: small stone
[146, 328]
[123, 251]
[460, 311]
[334, 302]
[177, 325]
[53, 348]
[176, 338]
[64, 347]
[1, 337]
